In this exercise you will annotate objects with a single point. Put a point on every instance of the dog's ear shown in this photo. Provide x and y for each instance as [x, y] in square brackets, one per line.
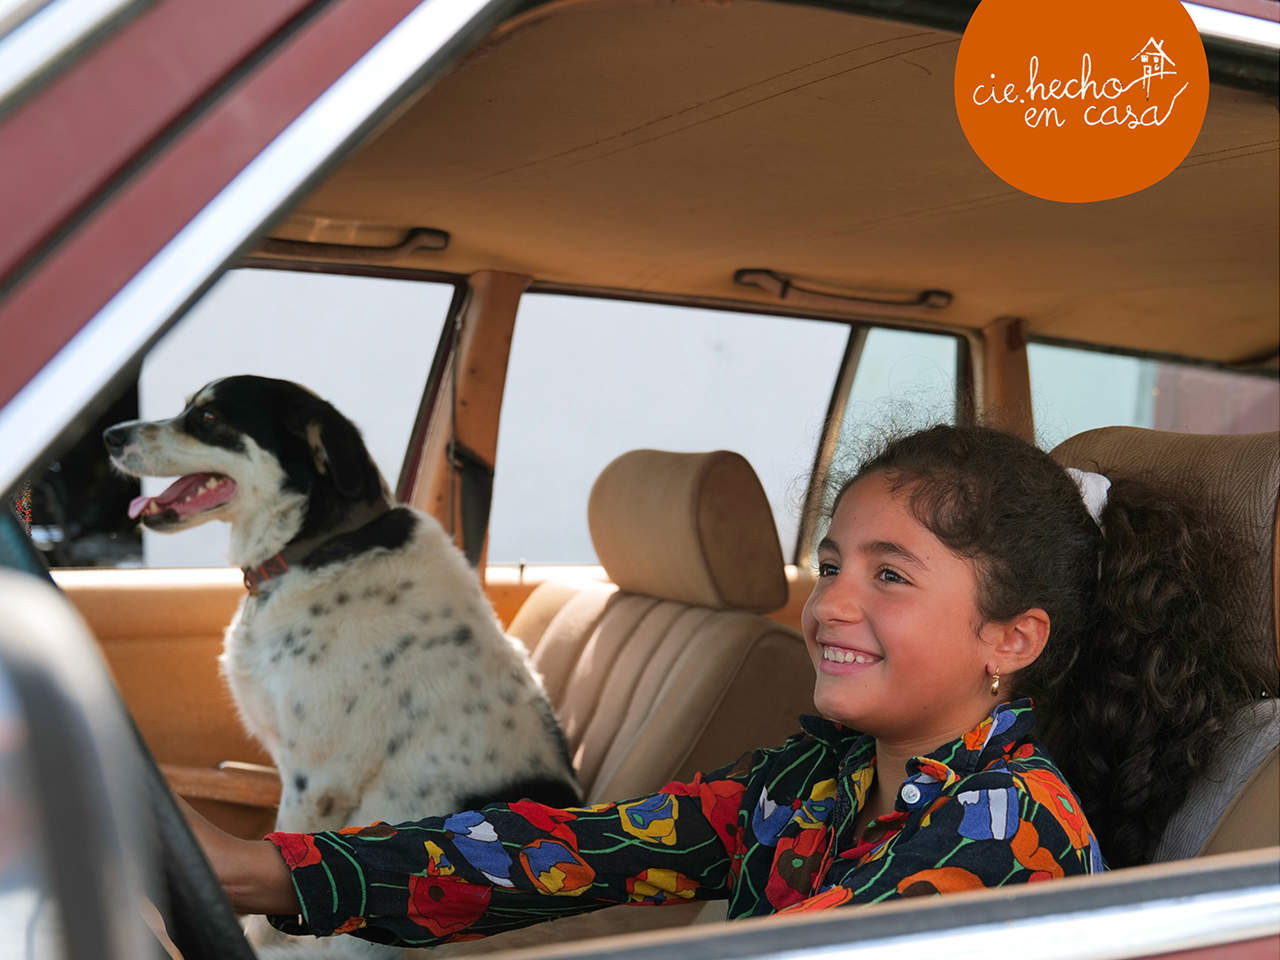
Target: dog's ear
[338, 452]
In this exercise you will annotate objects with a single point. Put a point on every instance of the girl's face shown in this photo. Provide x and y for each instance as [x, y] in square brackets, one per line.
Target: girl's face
[892, 625]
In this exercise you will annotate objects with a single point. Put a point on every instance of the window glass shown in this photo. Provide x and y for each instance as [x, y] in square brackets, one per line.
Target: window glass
[364, 344]
[1073, 390]
[590, 379]
[904, 380]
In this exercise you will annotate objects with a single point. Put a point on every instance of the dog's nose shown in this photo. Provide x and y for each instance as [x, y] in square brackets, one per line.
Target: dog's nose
[115, 438]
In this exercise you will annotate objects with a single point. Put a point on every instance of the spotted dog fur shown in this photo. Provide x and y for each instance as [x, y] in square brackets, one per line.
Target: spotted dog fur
[373, 671]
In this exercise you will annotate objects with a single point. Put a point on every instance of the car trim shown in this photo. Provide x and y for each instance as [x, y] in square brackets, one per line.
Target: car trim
[429, 35]
[828, 443]
[136, 109]
[124, 229]
[446, 345]
[1219, 24]
[51, 37]
[1130, 913]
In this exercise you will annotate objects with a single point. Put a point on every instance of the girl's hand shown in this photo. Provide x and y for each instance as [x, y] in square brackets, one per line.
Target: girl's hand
[251, 872]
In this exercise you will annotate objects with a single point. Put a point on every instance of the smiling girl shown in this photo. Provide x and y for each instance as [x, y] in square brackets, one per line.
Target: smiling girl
[963, 570]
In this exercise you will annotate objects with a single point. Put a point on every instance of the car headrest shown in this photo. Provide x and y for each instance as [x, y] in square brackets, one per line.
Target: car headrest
[1238, 479]
[693, 527]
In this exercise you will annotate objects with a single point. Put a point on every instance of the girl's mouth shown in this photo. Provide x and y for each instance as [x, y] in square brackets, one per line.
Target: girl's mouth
[842, 660]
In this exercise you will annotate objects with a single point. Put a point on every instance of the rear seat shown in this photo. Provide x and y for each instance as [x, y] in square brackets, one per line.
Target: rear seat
[1236, 804]
[670, 669]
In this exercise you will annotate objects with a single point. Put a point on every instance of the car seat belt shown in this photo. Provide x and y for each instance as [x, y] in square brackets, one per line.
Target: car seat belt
[475, 483]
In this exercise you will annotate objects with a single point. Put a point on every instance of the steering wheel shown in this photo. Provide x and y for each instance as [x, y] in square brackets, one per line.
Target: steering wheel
[201, 922]
[200, 919]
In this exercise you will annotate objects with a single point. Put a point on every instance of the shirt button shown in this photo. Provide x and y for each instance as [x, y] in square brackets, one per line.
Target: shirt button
[910, 793]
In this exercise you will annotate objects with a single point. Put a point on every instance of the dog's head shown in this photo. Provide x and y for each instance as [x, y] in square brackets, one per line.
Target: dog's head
[249, 450]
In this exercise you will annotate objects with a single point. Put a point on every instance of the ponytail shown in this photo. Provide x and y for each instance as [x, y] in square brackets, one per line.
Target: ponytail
[1137, 715]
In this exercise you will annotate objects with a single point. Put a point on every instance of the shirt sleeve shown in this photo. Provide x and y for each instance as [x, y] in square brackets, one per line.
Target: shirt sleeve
[987, 830]
[505, 866]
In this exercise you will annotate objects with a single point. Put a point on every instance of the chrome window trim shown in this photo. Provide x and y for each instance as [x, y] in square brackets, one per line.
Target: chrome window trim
[14, 12]
[41, 43]
[1122, 915]
[182, 269]
[1234, 27]
[1118, 933]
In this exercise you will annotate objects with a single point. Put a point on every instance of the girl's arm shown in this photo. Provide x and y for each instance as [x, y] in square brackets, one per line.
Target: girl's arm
[507, 866]
[483, 872]
[252, 872]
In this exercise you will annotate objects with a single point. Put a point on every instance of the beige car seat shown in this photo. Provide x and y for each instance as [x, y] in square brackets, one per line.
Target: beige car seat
[671, 668]
[1236, 804]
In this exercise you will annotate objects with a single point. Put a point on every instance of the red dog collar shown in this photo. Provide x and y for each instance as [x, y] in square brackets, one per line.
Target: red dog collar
[254, 576]
[297, 551]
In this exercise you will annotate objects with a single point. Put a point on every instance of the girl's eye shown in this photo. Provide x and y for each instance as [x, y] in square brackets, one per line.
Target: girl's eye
[828, 569]
[886, 575]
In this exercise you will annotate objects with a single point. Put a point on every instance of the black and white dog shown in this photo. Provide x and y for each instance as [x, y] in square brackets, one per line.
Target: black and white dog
[365, 656]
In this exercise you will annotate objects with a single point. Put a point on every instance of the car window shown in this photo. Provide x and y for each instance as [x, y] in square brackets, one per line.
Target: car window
[365, 344]
[589, 379]
[903, 380]
[898, 381]
[1074, 389]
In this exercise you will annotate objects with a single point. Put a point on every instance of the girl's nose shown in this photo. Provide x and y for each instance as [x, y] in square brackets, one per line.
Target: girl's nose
[836, 600]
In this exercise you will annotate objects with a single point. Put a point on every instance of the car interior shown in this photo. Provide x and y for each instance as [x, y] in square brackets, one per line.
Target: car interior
[779, 158]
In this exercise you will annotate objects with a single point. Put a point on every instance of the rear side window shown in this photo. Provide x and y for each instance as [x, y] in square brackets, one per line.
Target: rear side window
[590, 379]
[1075, 389]
[903, 380]
[894, 382]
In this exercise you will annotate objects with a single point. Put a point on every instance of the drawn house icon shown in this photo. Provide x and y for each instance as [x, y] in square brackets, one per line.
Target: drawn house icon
[1153, 59]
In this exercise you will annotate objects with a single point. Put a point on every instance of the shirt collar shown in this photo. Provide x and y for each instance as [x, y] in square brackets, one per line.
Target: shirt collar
[1008, 724]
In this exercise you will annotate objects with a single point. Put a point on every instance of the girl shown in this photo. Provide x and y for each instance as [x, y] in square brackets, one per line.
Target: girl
[963, 571]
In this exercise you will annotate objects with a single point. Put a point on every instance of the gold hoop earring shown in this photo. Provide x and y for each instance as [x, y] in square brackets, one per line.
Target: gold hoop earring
[995, 683]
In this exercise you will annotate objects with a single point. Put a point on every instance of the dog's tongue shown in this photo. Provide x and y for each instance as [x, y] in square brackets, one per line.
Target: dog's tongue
[195, 491]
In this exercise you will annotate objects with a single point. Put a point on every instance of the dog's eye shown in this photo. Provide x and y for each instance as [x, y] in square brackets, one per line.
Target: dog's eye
[208, 417]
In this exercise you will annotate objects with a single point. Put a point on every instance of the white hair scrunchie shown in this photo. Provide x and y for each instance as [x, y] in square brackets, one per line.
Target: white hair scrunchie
[1093, 491]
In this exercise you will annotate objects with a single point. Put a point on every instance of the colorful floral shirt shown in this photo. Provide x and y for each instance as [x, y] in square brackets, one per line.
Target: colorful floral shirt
[773, 831]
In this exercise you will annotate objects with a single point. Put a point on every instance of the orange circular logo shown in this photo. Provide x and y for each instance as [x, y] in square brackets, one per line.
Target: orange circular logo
[1081, 100]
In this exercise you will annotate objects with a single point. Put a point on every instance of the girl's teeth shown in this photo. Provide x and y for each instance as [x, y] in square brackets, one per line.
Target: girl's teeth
[836, 655]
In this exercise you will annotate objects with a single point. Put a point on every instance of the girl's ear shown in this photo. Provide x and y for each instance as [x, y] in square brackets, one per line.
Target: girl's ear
[1019, 641]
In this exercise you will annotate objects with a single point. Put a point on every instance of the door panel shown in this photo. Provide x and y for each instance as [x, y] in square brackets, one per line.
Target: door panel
[161, 632]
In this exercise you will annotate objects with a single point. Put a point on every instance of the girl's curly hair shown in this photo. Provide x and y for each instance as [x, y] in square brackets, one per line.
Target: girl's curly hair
[1139, 676]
